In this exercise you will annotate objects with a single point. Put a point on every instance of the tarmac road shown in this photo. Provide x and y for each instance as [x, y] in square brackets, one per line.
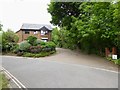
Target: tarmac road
[40, 73]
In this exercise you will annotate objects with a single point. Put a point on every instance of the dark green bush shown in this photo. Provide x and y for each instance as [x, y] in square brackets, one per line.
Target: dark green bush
[42, 43]
[32, 40]
[15, 46]
[16, 50]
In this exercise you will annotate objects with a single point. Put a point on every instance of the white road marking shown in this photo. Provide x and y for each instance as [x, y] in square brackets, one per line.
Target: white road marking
[15, 80]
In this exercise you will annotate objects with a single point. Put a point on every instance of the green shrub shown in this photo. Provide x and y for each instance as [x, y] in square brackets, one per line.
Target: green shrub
[41, 54]
[109, 58]
[16, 49]
[117, 62]
[42, 43]
[24, 46]
[16, 46]
[38, 41]
[50, 44]
[32, 40]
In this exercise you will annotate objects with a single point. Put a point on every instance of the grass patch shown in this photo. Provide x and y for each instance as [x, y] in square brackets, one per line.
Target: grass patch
[117, 61]
[3, 81]
[36, 55]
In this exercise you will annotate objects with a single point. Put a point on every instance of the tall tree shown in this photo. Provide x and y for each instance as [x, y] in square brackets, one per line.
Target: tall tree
[92, 27]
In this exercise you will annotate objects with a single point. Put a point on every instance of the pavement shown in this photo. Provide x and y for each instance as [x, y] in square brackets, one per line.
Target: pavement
[50, 73]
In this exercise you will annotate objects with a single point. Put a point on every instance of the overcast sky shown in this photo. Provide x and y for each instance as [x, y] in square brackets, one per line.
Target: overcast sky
[16, 12]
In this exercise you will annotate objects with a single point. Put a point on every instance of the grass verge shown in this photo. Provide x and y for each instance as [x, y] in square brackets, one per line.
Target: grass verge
[36, 55]
[117, 61]
[3, 81]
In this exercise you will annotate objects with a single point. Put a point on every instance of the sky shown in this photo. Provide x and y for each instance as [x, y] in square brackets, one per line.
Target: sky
[13, 13]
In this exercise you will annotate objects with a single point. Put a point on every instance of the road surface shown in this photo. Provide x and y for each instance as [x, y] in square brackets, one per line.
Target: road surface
[40, 73]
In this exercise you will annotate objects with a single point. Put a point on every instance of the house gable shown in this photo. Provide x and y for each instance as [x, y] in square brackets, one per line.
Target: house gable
[40, 31]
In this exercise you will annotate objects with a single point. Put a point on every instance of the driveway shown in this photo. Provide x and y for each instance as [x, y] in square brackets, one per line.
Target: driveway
[45, 73]
[74, 57]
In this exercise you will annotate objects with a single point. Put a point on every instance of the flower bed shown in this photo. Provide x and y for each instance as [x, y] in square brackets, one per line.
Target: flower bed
[35, 48]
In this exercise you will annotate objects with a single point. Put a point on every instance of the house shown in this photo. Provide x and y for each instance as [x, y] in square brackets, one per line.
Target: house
[40, 31]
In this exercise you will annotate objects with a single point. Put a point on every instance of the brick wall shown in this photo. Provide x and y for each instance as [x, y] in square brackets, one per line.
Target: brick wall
[22, 36]
[19, 34]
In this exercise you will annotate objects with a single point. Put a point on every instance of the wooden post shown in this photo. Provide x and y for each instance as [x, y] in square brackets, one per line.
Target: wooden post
[107, 52]
[114, 51]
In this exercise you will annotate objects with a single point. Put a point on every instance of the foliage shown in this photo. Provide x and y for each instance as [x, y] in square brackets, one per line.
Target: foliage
[15, 49]
[32, 40]
[9, 39]
[55, 35]
[92, 27]
[41, 54]
[24, 46]
[1, 27]
[50, 44]
[41, 50]
[117, 61]
[40, 42]
[61, 12]
[10, 36]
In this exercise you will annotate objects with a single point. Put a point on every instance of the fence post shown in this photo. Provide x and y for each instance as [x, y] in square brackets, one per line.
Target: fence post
[114, 51]
[107, 52]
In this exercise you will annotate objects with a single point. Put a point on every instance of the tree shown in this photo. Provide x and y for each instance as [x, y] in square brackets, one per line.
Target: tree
[1, 27]
[92, 27]
[54, 35]
[61, 12]
[9, 39]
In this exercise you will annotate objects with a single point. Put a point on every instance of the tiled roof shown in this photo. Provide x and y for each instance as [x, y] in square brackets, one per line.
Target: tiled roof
[35, 26]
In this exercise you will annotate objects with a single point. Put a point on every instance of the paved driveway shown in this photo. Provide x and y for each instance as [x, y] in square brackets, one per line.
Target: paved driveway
[42, 73]
[74, 57]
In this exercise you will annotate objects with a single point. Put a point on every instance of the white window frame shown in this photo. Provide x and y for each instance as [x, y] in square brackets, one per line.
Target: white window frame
[44, 32]
[35, 32]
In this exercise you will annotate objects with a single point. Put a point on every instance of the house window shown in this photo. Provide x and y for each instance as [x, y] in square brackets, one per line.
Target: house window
[35, 32]
[27, 32]
[44, 32]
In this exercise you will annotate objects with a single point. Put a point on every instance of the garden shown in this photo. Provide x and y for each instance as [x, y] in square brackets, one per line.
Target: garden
[34, 47]
[31, 47]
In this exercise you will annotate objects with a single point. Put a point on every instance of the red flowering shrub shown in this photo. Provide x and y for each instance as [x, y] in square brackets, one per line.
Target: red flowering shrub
[35, 49]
